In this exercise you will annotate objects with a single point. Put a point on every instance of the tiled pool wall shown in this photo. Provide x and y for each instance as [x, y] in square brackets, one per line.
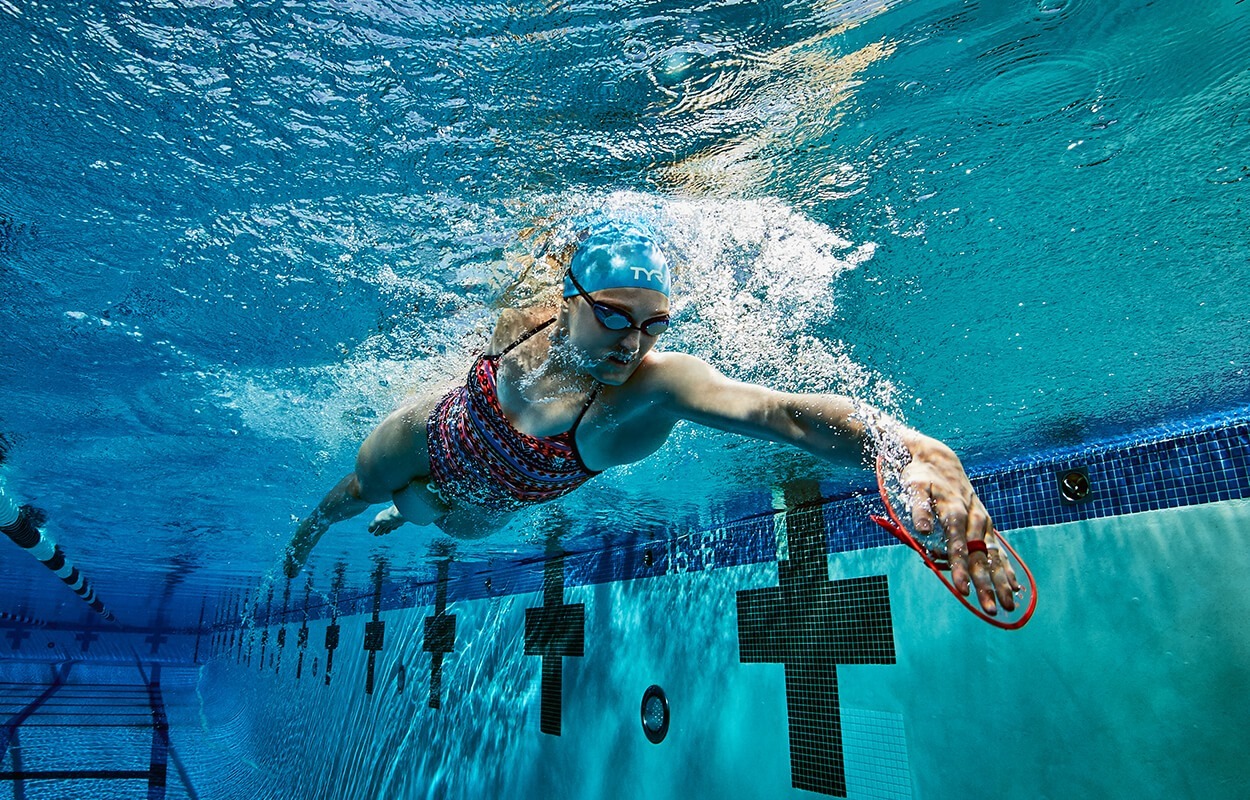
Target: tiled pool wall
[1194, 463]
[78, 730]
[1201, 461]
[798, 654]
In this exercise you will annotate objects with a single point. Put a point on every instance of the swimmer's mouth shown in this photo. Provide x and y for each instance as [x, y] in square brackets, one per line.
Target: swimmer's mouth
[623, 360]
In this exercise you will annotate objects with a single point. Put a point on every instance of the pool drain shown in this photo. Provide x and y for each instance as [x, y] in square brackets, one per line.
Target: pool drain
[654, 714]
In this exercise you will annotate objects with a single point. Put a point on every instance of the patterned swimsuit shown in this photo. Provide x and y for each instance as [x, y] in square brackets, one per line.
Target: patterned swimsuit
[478, 457]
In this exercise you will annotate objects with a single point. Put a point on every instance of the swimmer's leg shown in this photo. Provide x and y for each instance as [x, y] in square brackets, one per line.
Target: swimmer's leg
[390, 457]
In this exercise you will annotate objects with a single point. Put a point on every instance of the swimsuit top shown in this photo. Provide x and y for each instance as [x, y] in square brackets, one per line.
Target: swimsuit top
[477, 456]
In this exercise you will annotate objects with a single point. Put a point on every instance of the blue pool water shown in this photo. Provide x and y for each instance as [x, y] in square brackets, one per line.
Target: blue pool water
[234, 236]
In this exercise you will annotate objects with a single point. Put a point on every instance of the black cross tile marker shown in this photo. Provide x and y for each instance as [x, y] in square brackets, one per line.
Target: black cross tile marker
[156, 640]
[264, 632]
[225, 627]
[214, 641]
[375, 628]
[554, 631]
[250, 624]
[812, 624]
[86, 637]
[199, 629]
[302, 641]
[332, 630]
[286, 604]
[243, 631]
[332, 643]
[440, 635]
[228, 621]
[16, 636]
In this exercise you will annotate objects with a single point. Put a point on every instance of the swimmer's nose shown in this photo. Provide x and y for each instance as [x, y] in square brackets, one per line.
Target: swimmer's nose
[632, 340]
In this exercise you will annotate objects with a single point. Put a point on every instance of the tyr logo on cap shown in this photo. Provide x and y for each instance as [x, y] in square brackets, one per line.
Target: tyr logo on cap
[656, 274]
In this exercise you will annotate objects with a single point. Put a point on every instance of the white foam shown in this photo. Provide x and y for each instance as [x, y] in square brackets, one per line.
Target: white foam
[755, 294]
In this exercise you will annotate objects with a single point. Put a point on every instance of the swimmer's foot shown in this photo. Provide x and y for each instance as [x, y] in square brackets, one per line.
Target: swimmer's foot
[387, 521]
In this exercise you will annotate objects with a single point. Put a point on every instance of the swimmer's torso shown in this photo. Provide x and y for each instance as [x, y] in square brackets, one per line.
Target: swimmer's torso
[623, 424]
[513, 434]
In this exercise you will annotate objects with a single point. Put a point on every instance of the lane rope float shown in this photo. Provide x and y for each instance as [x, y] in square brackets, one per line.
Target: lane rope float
[22, 525]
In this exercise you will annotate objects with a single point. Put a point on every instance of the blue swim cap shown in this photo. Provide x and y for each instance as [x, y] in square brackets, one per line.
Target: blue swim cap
[618, 257]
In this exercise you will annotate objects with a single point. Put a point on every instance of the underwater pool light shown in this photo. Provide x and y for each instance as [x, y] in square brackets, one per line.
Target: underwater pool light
[1074, 485]
[654, 714]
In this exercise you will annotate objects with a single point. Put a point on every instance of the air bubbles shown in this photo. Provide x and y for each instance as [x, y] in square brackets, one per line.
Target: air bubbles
[1227, 175]
[1100, 136]
[683, 67]
[636, 50]
[1053, 10]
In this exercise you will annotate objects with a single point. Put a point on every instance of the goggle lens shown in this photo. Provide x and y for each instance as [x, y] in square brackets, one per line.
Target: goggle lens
[614, 320]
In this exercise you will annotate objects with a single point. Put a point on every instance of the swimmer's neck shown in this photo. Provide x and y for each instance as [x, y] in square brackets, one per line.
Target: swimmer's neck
[558, 372]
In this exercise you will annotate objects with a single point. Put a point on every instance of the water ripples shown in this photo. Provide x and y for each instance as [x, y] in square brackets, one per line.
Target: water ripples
[291, 215]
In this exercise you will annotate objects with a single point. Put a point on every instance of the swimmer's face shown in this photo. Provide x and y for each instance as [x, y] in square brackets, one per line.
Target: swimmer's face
[611, 356]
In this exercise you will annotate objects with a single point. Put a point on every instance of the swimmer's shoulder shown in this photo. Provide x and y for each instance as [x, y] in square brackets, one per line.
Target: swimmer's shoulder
[665, 374]
[513, 323]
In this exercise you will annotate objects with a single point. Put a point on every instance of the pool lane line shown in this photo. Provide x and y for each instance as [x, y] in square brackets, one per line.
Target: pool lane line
[21, 525]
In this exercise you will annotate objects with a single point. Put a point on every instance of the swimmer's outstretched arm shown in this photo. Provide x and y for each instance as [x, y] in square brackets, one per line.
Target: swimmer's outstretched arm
[842, 430]
[385, 465]
[340, 503]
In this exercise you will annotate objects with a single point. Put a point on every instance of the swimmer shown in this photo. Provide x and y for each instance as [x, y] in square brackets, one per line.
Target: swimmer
[564, 394]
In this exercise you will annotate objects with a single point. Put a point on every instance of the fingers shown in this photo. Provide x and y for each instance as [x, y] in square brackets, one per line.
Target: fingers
[988, 572]
[954, 518]
[940, 492]
[1004, 575]
[383, 525]
[922, 509]
[979, 562]
[983, 579]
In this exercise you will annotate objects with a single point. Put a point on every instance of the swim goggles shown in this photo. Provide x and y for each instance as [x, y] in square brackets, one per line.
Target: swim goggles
[939, 562]
[616, 320]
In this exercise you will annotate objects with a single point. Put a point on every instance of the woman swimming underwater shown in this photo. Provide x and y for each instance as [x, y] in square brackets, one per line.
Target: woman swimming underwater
[561, 396]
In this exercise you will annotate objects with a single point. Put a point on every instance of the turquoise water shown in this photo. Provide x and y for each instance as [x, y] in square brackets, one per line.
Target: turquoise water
[234, 236]
[1127, 683]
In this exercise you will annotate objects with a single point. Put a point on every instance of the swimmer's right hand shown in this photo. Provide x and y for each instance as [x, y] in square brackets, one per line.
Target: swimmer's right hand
[386, 521]
[291, 567]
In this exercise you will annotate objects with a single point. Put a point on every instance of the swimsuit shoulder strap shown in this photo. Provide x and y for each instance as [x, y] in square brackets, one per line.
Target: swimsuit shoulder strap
[593, 393]
[589, 401]
[523, 338]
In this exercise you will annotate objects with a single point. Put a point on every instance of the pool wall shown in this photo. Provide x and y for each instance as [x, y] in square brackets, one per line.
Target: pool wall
[527, 680]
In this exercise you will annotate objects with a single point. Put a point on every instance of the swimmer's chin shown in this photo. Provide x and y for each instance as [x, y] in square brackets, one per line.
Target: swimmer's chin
[612, 372]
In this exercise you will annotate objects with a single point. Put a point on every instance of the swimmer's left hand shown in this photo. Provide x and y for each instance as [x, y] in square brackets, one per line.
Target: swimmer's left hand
[386, 521]
[938, 486]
